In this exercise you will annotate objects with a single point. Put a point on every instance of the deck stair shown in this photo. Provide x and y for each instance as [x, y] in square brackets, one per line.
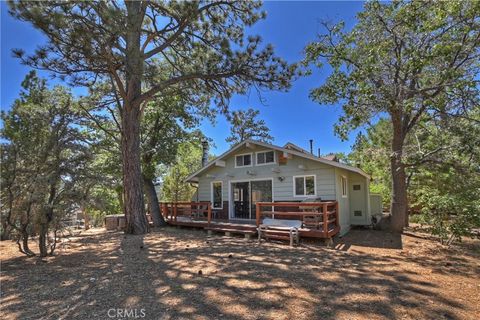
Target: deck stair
[229, 230]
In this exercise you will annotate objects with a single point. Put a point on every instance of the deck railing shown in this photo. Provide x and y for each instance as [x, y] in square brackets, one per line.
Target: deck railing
[314, 215]
[194, 210]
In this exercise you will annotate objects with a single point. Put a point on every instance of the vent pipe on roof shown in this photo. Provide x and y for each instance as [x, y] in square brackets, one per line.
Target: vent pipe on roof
[204, 153]
[311, 146]
[319, 153]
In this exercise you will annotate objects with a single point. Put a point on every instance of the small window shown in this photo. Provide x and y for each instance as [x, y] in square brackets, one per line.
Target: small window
[265, 157]
[217, 202]
[304, 186]
[356, 187]
[243, 160]
[357, 213]
[344, 187]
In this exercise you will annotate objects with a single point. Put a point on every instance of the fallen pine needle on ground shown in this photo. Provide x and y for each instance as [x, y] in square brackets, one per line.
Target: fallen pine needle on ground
[183, 274]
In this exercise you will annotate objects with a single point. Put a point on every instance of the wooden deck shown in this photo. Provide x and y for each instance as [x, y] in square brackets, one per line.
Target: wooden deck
[319, 219]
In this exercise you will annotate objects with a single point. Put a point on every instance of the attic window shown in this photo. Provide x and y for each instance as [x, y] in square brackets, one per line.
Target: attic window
[243, 160]
[265, 157]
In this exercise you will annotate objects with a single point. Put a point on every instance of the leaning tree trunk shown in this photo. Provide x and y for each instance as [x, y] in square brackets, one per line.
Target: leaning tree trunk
[23, 236]
[152, 200]
[26, 248]
[23, 231]
[132, 174]
[398, 207]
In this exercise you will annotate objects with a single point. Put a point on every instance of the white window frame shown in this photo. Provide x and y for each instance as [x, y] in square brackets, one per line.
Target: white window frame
[266, 163]
[305, 186]
[211, 198]
[244, 154]
[342, 180]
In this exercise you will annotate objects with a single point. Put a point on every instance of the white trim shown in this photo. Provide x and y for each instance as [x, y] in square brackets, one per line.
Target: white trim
[266, 163]
[346, 186]
[305, 186]
[211, 195]
[193, 177]
[230, 202]
[244, 154]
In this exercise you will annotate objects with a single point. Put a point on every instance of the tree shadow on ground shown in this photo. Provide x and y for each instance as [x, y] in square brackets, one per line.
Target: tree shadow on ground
[373, 239]
[183, 274]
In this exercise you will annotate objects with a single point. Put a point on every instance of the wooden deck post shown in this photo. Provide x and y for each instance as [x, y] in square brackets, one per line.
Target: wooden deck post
[209, 212]
[175, 212]
[257, 213]
[165, 210]
[325, 218]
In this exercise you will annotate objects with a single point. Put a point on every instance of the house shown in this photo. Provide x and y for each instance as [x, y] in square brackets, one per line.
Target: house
[254, 171]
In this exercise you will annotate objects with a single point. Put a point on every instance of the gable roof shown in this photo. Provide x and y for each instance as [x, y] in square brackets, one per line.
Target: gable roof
[292, 146]
[281, 149]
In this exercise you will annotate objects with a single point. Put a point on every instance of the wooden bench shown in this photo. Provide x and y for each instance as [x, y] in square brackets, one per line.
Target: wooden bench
[280, 229]
[229, 231]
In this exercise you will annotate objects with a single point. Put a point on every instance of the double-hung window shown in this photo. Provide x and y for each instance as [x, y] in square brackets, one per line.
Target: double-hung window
[304, 186]
[217, 195]
[265, 157]
[243, 160]
[344, 187]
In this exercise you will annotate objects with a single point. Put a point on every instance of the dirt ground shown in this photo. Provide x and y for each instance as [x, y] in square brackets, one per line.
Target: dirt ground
[183, 274]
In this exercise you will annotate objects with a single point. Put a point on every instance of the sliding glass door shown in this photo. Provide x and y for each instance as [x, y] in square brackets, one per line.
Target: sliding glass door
[246, 194]
[261, 192]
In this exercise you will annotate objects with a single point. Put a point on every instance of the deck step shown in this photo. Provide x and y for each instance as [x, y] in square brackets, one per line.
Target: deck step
[277, 236]
[231, 230]
[228, 231]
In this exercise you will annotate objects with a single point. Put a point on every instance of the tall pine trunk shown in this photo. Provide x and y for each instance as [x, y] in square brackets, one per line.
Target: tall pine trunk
[132, 174]
[398, 207]
[131, 115]
[153, 204]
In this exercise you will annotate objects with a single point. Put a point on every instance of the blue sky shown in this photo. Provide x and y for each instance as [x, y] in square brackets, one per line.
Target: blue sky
[291, 115]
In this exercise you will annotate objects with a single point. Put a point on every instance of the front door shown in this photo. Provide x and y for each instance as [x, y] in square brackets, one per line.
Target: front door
[241, 200]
